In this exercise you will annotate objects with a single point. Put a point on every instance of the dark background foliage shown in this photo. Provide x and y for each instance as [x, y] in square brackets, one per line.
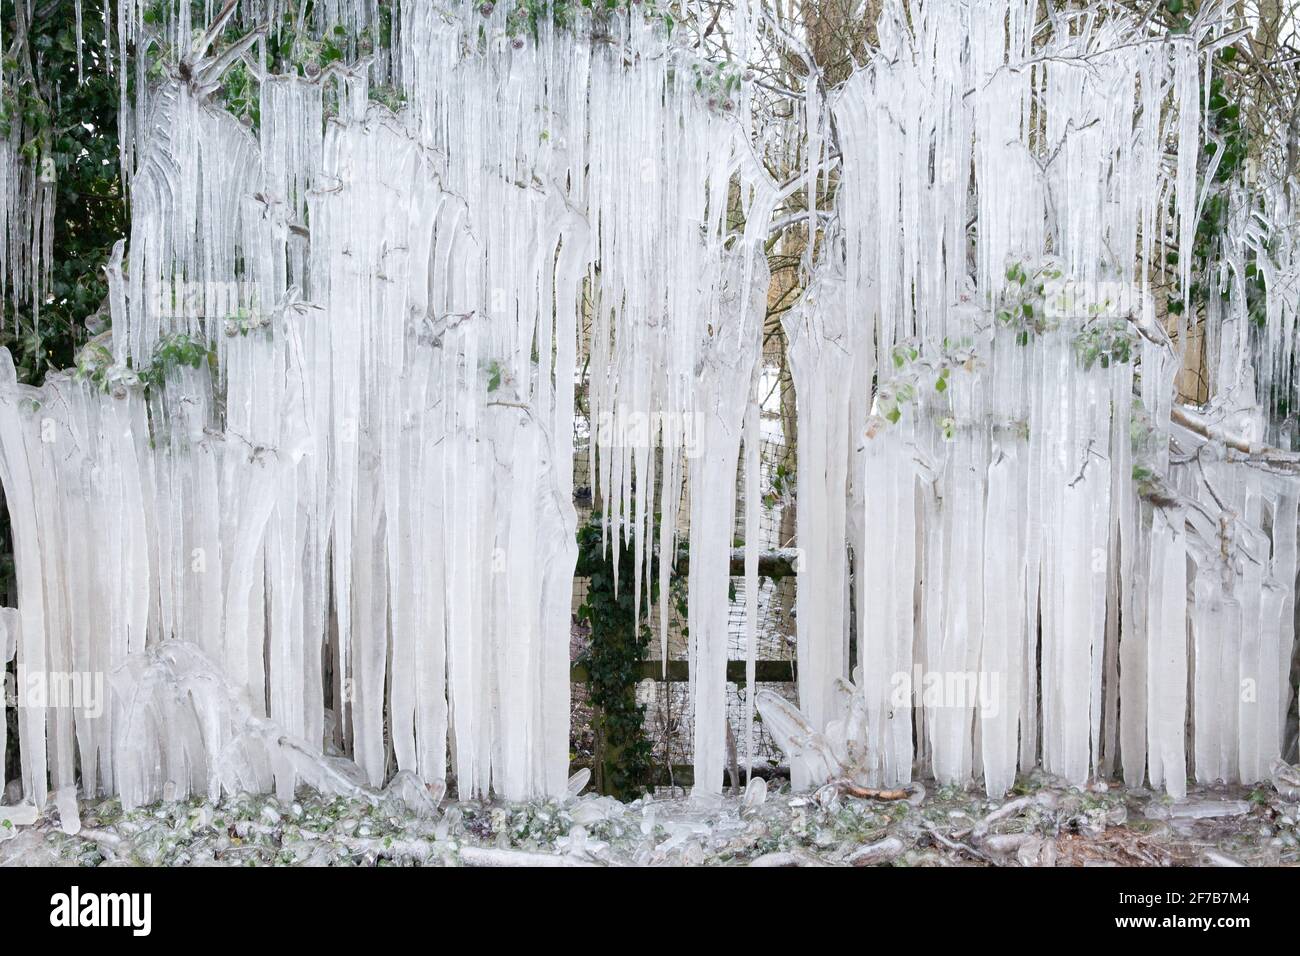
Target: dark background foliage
[73, 123]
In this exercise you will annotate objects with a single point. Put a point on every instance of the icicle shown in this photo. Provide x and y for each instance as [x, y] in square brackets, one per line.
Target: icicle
[753, 496]
[1167, 655]
[730, 352]
[820, 361]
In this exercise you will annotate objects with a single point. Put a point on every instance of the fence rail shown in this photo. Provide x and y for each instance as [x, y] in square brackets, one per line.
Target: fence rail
[775, 564]
[765, 672]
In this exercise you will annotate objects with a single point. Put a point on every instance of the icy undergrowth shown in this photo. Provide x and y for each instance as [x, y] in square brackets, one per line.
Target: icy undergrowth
[1043, 822]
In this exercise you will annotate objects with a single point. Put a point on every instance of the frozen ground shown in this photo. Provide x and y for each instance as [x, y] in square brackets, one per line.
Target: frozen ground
[1041, 823]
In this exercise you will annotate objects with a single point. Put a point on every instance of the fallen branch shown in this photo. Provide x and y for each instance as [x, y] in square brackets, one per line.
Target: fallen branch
[869, 793]
[958, 847]
[1005, 843]
[874, 854]
[1008, 809]
[775, 859]
[490, 856]
[425, 850]
[788, 858]
[1215, 858]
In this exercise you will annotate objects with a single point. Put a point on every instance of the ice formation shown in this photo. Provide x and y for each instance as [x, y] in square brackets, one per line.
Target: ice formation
[345, 498]
[1007, 524]
[339, 518]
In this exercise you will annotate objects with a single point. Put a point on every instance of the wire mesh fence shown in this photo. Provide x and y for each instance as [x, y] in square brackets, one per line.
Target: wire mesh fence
[667, 703]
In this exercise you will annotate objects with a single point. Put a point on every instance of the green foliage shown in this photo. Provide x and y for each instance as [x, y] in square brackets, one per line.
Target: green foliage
[241, 96]
[95, 363]
[782, 484]
[244, 321]
[613, 658]
[527, 16]
[915, 370]
[1026, 309]
[293, 48]
[1227, 147]
[719, 82]
[1178, 15]
[389, 96]
[173, 351]
[1023, 306]
[1105, 343]
[69, 131]
[309, 55]
[1143, 440]
[902, 354]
